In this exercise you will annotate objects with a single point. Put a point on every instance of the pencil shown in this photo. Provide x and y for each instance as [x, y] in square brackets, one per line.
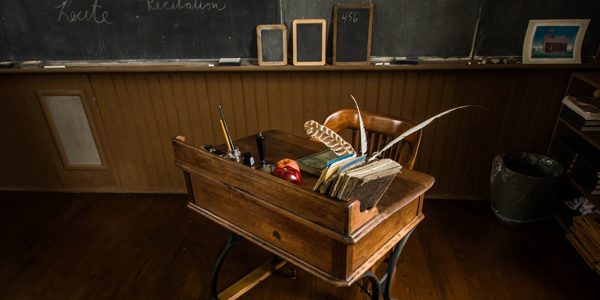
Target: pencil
[225, 134]
[224, 125]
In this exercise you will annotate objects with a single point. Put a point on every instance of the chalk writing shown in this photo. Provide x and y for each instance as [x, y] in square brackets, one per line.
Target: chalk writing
[350, 16]
[156, 5]
[93, 14]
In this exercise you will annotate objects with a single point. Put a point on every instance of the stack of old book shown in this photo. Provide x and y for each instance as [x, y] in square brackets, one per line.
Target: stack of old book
[353, 178]
[582, 112]
[585, 236]
[581, 162]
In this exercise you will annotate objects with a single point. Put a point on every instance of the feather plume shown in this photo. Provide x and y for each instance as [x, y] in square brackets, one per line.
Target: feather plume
[417, 128]
[363, 132]
[328, 137]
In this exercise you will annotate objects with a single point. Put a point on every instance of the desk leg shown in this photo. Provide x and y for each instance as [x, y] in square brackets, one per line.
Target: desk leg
[391, 267]
[385, 282]
[375, 285]
[233, 239]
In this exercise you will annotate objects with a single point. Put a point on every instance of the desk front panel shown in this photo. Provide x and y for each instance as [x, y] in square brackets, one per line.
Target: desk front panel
[260, 222]
[338, 259]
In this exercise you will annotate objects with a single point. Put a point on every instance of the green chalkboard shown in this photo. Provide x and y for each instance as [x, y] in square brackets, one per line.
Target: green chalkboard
[131, 29]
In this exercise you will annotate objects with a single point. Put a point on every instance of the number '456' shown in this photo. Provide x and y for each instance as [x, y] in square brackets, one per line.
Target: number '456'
[350, 17]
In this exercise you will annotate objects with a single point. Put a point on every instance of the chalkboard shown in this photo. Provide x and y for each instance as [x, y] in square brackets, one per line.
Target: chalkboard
[198, 29]
[132, 29]
[272, 45]
[446, 28]
[442, 28]
[309, 42]
[504, 23]
[352, 33]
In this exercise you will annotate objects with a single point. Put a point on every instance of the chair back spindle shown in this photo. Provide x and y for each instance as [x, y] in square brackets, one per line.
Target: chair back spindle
[381, 129]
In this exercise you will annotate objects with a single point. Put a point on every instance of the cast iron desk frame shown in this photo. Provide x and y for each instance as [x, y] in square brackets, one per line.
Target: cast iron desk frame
[407, 190]
[377, 284]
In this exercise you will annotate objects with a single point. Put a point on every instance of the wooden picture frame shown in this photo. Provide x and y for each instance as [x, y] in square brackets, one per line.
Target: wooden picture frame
[298, 23]
[337, 17]
[259, 44]
[56, 133]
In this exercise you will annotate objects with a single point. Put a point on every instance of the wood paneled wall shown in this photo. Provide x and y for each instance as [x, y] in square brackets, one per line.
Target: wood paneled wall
[137, 113]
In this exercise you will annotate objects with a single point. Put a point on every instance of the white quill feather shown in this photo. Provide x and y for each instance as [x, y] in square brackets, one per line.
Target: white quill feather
[363, 132]
[417, 128]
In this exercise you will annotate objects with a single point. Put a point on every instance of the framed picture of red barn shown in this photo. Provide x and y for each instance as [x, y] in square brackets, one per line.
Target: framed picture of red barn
[554, 41]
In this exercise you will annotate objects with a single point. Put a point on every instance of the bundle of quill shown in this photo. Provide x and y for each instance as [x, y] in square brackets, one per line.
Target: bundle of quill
[328, 137]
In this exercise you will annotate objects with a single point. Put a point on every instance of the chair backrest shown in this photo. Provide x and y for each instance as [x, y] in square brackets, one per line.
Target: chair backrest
[381, 129]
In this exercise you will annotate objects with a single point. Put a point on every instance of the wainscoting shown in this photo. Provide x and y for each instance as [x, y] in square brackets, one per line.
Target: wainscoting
[136, 113]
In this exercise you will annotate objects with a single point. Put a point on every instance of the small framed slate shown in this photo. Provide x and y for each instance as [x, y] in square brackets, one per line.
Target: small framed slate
[272, 45]
[352, 27]
[309, 42]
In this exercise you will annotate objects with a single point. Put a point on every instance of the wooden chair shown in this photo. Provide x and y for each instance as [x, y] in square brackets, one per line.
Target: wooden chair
[381, 129]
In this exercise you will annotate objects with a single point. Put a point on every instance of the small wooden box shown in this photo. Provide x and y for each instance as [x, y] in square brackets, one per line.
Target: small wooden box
[331, 239]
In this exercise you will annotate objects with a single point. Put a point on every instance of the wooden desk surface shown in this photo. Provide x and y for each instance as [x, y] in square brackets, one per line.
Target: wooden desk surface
[329, 238]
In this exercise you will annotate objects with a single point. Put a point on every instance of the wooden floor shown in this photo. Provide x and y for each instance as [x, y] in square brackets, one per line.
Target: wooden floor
[90, 246]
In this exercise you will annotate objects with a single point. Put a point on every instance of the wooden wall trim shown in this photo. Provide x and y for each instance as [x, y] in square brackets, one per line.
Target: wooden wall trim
[136, 115]
[145, 67]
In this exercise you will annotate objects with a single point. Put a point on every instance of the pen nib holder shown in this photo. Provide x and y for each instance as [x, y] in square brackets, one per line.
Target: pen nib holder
[234, 155]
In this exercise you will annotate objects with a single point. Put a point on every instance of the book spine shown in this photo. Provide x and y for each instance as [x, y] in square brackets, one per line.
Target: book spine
[586, 115]
[567, 102]
[575, 118]
[587, 128]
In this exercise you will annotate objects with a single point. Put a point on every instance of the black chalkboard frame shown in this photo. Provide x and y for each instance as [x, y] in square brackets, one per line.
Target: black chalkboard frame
[353, 6]
[298, 23]
[259, 37]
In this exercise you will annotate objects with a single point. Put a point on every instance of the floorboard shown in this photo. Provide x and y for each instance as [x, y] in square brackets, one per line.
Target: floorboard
[120, 246]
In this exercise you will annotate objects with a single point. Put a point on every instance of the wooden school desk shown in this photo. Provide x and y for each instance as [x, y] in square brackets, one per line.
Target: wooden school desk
[328, 238]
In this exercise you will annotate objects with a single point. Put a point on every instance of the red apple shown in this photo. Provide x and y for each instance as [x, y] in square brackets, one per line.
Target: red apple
[286, 162]
[290, 174]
